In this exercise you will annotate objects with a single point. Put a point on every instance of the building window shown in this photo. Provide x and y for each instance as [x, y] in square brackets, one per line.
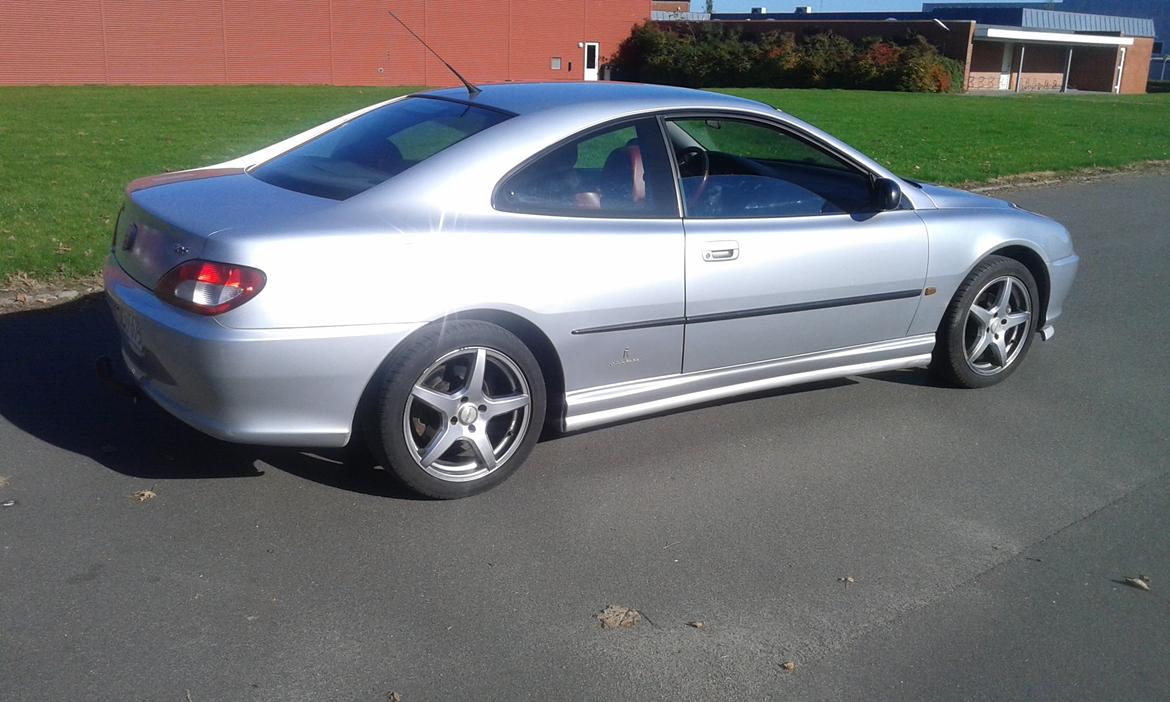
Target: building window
[555, 63]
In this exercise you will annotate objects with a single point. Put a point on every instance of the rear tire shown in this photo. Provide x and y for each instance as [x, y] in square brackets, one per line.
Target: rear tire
[460, 408]
[988, 326]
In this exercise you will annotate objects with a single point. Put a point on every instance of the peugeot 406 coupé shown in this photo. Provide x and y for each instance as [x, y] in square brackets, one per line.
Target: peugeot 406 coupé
[443, 275]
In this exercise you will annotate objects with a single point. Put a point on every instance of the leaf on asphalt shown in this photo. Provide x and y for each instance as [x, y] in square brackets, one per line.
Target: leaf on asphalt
[1141, 582]
[618, 617]
[788, 665]
[696, 625]
[145, 495]
[3, 481]
[393, 696]
[848, 580]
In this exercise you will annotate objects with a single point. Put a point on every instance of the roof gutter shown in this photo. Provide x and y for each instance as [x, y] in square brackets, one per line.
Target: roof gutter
[1038, 37]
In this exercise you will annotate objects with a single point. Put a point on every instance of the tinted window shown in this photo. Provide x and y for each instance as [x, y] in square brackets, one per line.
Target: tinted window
[739, 168]
[620, 171]
[374, 147]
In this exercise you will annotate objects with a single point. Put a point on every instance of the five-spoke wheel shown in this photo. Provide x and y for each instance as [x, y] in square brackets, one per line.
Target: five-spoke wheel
[998, 323]
[989, 324]
[467, 413]
[461, 406]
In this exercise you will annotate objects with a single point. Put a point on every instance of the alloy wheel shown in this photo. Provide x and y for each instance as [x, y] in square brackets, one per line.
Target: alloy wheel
[467, 414]
[997, 325]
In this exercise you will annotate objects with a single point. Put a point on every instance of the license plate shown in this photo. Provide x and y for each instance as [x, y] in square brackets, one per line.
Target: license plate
[131, 332]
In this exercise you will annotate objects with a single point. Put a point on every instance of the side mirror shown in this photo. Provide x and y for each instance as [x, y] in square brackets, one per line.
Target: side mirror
[886, 194]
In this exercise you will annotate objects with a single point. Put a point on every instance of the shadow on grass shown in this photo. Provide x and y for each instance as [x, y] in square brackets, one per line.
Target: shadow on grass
[50, 390]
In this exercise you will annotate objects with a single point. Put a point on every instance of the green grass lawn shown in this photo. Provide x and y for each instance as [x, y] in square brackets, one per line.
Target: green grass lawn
[971, 138]
[65, 153]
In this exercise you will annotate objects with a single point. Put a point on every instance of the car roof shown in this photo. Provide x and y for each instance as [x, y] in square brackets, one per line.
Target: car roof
[531, 98]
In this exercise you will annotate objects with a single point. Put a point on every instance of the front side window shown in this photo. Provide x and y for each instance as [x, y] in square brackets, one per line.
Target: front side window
[619, 171]
[732, 168]
[375, 147]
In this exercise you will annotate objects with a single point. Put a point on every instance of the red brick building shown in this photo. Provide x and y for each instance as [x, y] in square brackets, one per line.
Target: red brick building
[1003, 47]
[341, 42]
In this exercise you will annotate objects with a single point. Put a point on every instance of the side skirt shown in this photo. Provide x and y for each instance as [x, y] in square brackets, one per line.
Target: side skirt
[614, 403]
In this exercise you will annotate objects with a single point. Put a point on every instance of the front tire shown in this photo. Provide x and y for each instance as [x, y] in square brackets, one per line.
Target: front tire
[460, 408]
[989, 325]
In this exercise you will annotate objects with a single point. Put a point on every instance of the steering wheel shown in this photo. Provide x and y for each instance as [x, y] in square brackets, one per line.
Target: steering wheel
[685, 157]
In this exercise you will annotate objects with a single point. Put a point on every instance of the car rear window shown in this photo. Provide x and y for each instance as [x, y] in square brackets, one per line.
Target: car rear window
[375, 147]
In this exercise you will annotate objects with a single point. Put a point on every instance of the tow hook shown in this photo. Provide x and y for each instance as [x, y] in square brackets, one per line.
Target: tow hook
[105, 370]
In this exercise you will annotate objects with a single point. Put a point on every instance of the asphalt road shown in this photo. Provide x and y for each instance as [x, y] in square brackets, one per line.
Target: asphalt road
[987, 533]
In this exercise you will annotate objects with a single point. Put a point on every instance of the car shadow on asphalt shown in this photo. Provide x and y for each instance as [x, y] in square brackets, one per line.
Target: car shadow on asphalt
[919, 377]
[49, 389]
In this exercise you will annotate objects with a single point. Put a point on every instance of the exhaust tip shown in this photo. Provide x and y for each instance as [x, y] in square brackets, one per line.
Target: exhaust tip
[1048, 332]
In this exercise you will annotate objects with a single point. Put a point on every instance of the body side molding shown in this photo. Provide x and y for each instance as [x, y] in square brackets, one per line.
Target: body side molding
[754, 312]
[592, 407]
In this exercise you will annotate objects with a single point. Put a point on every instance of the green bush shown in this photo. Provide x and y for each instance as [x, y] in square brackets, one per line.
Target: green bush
[879, 65]
[928, 71]
[828, 61]
[707, 55]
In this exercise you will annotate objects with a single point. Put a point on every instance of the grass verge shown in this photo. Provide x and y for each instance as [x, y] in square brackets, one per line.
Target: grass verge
[66, 153]
[956, 139]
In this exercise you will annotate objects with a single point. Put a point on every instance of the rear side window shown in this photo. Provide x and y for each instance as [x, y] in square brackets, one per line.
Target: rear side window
[375, 147]
[618, 171]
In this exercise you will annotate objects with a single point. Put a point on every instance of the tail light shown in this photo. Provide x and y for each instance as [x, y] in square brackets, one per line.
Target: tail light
[210, 288]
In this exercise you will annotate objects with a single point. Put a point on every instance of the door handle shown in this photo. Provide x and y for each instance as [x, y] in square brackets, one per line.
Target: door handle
[721, 251]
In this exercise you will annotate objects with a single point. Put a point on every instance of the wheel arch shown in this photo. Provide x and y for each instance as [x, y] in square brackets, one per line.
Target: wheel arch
[541, 346]
[532, 336]
[1034, 262]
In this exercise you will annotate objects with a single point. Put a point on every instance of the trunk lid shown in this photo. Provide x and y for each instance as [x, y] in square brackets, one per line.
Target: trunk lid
[168, 219]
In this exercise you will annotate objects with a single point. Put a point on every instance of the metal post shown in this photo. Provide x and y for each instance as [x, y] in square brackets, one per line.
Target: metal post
[1020, 70]
[1067, 71]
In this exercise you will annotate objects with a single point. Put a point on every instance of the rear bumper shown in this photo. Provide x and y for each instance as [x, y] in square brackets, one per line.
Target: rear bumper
[284, 387]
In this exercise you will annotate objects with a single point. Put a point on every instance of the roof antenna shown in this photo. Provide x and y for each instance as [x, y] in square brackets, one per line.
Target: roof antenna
[472, 90]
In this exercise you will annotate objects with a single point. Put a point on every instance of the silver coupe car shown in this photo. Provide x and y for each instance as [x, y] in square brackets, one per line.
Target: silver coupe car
[442, 276]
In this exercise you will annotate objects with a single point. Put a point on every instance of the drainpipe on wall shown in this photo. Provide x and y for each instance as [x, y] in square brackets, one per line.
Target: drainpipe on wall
[1067, 71]
[1020, 70]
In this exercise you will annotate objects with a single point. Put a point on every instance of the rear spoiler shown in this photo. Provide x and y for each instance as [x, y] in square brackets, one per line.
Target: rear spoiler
[179, 177]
